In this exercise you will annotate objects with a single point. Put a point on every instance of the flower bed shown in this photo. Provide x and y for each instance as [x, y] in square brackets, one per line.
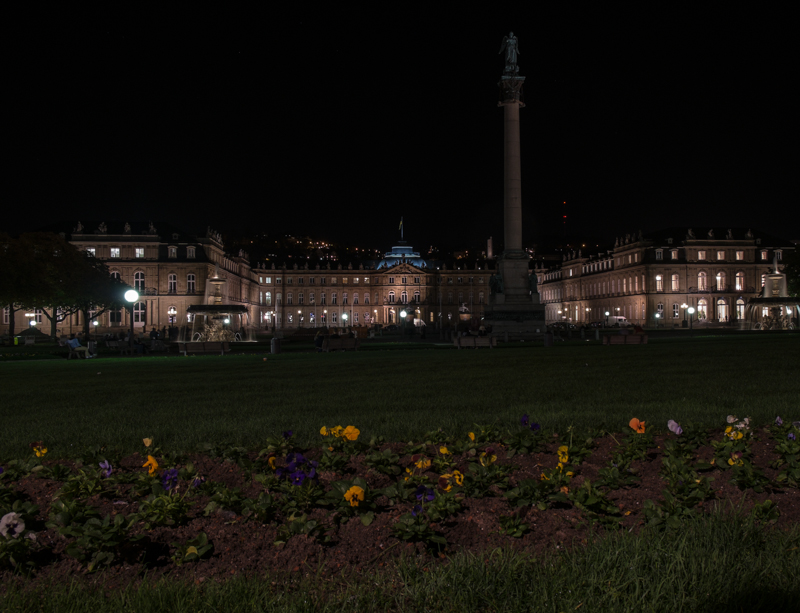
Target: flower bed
[226, 510]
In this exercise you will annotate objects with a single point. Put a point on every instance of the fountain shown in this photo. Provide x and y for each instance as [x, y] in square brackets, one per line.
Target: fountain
[774, 309]
[214, 321]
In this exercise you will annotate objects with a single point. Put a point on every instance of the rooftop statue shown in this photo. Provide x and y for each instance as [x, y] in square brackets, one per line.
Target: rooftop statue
[729, 236]
[79, 228]
[511, 47]
[689, 233]
[711, 233]
[127, 228]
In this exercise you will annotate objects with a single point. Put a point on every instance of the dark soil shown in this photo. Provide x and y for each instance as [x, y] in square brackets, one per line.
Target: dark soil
[242, 546]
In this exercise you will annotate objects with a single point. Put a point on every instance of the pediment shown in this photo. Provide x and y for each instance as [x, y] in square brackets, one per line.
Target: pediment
[402, 268]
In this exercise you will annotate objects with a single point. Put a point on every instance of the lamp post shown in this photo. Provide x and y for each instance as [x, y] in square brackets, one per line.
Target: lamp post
[684, 306]
[658, 316]
[344, 318]
[299, 318]
[587, 314]
[131, 296]
[607, 314]
[691, 317]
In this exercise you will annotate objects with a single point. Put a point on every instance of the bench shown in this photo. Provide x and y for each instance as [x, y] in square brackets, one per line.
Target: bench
[475, 341]
[340, 344]
[198, 347]
[625, 339]
[121, 345]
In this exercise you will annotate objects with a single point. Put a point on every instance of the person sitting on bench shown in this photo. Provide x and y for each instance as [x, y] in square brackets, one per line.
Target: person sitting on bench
[75, 345]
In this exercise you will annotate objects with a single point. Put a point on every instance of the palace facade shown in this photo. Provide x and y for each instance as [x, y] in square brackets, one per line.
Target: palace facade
[714, 270]
[170, 270]
[653, 279]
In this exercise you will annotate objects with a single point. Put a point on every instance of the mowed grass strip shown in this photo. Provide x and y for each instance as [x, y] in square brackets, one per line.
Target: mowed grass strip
[183, 402]
[720, 562]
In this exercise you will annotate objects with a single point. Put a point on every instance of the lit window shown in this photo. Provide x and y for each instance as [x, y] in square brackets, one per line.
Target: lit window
[675, 310]
[190, 286]
[139, 252]
[764, 254]
[311, 298]
[659, 283]
[675, 282]
[114, 252]
[344, 280]
[740, 255]
[701, 255]
[267, 298]
[190, 252]
[659, 254]
[674, 253]
[267, 279]
[90, 251]
[366, 280]
[701, 281]
[780, 255]
[720, 255]
[173, 252]
[720, 281]
[140, 313]
[739, 281]
[355, 280]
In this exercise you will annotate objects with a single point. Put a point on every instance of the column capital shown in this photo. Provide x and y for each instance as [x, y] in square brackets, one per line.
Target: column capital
[511, 90]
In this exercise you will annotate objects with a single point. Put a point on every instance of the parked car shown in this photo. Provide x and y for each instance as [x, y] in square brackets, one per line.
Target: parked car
[617, 321]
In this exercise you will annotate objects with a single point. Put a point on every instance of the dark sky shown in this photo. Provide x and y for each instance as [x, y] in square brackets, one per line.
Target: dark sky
[336, 122]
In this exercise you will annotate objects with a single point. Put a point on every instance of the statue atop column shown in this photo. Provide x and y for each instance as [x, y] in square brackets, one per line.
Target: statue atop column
[511, 47]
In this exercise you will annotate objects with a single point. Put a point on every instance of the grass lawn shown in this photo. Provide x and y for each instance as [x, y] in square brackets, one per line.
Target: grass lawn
[183, 402]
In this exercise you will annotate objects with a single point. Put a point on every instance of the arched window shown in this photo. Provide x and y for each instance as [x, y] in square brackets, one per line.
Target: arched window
[416, 296]
[140, 313]
[676, 283]
[480, 297]
[138, 282]
[676, 310]
[344, 298]
[702, 284]
[268, 298]
[355, 299]
[366, 297]
[720, 281]
[333, 298]
[659, 283]
[702, 309]
[322, 298]
[391, 297]
[739, 281]
[740, 309]
[115, 275]
[404, 297]
[722, 310]
[190, 284]
[172, 284]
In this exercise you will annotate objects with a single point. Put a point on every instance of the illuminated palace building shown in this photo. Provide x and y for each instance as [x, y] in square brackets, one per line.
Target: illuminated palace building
[653, 279]
[375, 292]
[171, 269]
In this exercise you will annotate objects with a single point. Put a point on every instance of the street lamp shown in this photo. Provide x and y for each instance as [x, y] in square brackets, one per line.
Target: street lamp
[607, 314]
[658, 316]
[131, 296]
[684, 306]
[587, 313]
[691, 317]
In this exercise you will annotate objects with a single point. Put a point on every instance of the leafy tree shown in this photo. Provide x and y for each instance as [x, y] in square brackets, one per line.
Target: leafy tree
[43, 271]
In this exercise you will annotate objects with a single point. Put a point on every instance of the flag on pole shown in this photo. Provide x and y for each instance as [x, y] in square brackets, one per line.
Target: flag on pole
[401, 224]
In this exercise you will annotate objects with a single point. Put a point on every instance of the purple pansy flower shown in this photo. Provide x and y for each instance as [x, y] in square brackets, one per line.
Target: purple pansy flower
[791, 436]
[288, 434]
[674, 427]
[198, 481]
[535, 426]
[416, 510]
[107, 470]
[524, 421]
[297, 478]
[2, 470]
[169, 479]
[778, 421]
[424, 493]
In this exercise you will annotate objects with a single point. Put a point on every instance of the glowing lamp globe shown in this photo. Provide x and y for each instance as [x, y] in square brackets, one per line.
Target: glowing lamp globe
[403, 313]
[131, 295]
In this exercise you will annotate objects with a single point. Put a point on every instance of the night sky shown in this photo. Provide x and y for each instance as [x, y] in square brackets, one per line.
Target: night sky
[334, 123]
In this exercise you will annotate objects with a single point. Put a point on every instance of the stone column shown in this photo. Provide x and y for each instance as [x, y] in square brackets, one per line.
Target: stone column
[510, 99]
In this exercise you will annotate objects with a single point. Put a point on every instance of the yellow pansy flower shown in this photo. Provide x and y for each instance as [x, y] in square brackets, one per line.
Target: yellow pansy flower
[147, 441]
[323, 431]
[444, 451]
[351, 433]
[152, 464]
[354, 495]
[471, 436]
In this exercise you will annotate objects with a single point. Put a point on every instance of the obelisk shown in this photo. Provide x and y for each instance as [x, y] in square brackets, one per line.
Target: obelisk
[514, 306]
